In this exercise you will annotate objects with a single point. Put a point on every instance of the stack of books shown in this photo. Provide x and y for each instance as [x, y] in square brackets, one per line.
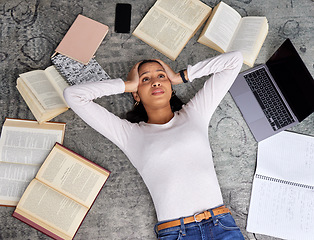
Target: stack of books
[72, 63]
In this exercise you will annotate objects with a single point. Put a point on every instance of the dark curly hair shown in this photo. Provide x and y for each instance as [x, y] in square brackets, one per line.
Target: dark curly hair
[138, 113]
[148, 61]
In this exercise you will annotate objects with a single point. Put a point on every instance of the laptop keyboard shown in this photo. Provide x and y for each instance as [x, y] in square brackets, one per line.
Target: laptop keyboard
[269, 99]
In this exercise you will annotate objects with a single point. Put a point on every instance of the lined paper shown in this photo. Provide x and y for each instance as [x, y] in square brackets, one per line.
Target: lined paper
[282, 199]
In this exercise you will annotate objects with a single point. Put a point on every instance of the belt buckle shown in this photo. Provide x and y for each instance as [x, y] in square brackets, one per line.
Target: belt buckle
[194, 216]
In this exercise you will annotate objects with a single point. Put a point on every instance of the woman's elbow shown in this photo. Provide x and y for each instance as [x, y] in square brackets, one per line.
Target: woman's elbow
[67, 92]
[238, 57]
[71, 97]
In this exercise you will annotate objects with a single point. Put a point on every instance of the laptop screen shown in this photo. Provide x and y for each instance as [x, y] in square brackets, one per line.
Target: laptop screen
[293, 79]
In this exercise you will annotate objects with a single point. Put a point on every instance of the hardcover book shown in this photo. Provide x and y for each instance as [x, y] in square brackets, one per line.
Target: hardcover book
[24, 145]
[82, 39]
[227, 31]
[42, 90]
[170, 24]
[62, 193]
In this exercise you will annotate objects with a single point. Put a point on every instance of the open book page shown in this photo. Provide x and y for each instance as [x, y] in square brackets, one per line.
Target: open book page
[56, 80]
[41, 114]
[43, 89]
[189, 12]
[283, 188]
[163, 33]
[249, 37]
[30, 99]
[72, 175]
[222, 26]
[14, 178]
[27, 142]
[50, 209]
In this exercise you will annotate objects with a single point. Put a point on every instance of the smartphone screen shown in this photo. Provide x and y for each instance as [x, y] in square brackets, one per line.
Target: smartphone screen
[123, 18]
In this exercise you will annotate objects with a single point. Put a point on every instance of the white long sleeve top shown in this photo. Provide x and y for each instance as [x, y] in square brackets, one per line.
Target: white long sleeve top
[174, 159]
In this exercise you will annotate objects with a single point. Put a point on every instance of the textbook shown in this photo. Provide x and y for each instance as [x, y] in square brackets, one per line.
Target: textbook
[282, 196]
[24, 145]
[42, 90]
[170, 24]
[227, 31]
[59, 197]
[82, 39]
[76, 73]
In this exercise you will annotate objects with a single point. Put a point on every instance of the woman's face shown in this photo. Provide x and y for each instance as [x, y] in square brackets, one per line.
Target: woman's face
[154, 89]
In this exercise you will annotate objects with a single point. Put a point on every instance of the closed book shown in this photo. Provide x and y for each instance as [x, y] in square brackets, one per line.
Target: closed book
[82, 39]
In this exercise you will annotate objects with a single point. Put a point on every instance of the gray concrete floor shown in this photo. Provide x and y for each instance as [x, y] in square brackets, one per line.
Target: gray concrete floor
[31, 29]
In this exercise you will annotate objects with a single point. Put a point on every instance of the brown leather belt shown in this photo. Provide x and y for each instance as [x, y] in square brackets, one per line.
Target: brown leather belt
[196, 218]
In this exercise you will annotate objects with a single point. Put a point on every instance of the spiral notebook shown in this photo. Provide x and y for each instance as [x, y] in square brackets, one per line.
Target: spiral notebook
[76, 73]
[282, 199]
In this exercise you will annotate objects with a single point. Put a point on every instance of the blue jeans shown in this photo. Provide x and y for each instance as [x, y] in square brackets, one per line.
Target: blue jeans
[220, 227]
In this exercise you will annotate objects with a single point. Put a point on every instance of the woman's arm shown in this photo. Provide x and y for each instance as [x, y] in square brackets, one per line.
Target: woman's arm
[132, 81]
[80, 99]
[224, 69]
[229, 63]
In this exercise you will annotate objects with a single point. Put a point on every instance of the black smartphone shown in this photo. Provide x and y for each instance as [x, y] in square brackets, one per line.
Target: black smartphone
[123, 18]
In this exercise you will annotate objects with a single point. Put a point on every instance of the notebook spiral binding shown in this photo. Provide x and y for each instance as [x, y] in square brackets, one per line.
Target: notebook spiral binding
[76, 73]
[284, 181]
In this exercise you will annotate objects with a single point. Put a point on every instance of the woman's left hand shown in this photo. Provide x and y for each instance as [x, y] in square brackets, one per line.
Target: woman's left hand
[174, 77]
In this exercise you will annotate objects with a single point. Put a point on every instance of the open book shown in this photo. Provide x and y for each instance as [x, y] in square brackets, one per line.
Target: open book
[282, 196]
[64, 189]
[170, 24]
[42, 90]
[24, 145]
[227, 31]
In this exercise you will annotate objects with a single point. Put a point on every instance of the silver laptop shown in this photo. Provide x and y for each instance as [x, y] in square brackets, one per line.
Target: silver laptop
[277, 95]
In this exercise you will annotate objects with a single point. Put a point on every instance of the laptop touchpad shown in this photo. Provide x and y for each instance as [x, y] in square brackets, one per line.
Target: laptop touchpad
[249, 107]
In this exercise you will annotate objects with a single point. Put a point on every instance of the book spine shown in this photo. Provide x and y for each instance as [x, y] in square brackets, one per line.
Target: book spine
[36, 226]
[277, 180]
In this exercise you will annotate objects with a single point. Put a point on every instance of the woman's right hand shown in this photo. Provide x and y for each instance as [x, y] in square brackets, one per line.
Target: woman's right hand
[131, 84]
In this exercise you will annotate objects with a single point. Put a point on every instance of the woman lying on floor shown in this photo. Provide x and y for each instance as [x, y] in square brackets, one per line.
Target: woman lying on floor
[167, 141]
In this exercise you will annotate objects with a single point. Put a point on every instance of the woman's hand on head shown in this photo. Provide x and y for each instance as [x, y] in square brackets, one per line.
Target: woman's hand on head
[174, 77]
[133, 79]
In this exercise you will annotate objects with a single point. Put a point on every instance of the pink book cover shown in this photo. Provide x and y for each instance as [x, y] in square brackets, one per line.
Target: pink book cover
[82, 39]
